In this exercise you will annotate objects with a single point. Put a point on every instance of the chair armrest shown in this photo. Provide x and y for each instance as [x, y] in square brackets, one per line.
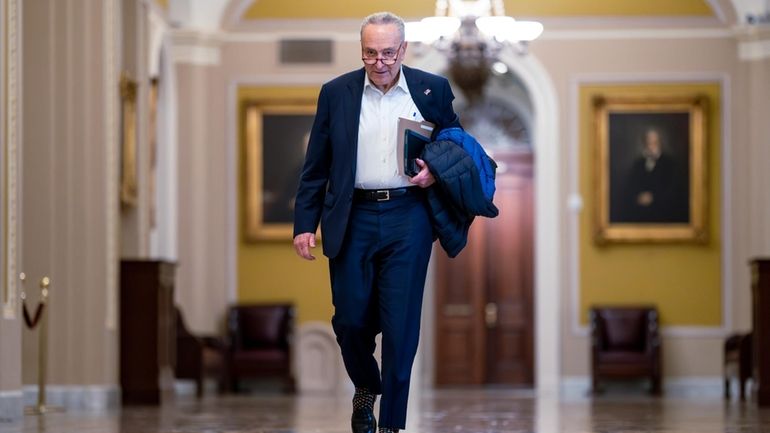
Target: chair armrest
[596, 332]
[653, 333]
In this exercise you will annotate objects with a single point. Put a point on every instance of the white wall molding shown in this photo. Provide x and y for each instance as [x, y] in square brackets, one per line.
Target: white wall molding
[72, 397]
[754, 50]
[110, 89]
[197, 14]
[231, 122]
[270, 31]
[231, 217]
[166, 243]
[195, 47]
[11, 405]
[573, 236]
[640, 33]
[10, 128]
[689, 387]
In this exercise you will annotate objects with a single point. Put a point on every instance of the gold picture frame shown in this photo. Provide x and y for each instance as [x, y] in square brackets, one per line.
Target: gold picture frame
[129, 187]
[275, 135]
[651, 169]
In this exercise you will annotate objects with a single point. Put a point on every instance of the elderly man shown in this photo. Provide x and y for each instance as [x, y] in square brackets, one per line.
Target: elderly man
[376, 228]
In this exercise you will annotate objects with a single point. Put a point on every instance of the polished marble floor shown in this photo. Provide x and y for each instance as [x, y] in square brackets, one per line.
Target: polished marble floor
[445, 411]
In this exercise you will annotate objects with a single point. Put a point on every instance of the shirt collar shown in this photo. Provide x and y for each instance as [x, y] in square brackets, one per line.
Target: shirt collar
[401, 82]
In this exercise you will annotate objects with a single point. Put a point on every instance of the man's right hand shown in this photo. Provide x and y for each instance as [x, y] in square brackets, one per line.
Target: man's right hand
[303, 242]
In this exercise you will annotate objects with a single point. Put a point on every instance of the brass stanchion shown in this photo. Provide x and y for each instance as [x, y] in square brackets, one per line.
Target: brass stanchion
[42, 363]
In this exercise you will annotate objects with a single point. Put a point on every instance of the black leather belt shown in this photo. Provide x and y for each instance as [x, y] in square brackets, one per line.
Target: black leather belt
[383, 194]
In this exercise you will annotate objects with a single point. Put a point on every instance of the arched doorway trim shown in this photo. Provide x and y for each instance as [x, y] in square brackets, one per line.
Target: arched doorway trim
[548, 230]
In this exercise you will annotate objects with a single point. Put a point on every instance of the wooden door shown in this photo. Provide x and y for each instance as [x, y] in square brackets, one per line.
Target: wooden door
[484, 296]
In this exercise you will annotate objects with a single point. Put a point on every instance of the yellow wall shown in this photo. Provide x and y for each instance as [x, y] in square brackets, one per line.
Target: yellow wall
[270, 270]
[358, 9]
[683, 280]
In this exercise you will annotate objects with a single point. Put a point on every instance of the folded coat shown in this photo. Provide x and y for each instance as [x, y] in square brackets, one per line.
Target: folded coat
[457, 197]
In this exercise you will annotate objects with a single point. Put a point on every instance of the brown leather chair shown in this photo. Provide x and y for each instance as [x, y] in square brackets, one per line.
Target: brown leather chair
[625, 344]
[738, 362]
[260, 342]
[198, 357]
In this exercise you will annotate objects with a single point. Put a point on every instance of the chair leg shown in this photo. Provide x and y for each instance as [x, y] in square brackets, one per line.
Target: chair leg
[742, 388]
[657, 389]
[289, 386]
[199, 386]
[595, 390]
[727, 387]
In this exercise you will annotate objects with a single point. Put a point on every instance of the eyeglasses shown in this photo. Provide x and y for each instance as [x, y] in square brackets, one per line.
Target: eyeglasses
[388, 57]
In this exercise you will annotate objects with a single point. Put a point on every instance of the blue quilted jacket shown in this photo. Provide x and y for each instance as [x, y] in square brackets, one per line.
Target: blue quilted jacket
[459, 193]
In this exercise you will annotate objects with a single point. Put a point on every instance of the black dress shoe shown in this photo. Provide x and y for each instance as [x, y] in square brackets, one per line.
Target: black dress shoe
[363, 421]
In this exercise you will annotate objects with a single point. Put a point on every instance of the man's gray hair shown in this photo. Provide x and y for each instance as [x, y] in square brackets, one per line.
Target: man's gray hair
[384, 18]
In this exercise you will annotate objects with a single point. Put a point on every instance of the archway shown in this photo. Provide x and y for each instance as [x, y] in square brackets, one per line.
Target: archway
[548, 249]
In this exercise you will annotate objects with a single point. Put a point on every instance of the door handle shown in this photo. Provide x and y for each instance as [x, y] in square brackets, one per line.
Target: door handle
[490, 315]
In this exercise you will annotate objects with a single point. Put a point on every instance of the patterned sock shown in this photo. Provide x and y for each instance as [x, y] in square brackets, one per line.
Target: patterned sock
[388, 430]
[363, 399]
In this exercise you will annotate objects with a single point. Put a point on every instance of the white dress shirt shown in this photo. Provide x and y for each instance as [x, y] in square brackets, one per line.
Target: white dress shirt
[376, 164]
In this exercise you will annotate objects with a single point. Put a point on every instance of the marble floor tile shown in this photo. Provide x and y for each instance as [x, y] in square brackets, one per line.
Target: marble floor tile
[444, 411]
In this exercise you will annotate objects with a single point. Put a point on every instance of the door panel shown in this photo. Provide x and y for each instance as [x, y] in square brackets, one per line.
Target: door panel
[492, 278]
[460, 332]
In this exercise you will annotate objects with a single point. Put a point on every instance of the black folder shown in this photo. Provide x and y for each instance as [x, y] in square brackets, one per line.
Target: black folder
[414, 144]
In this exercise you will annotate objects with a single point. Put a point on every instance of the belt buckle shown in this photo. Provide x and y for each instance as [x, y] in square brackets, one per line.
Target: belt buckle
[383, 195]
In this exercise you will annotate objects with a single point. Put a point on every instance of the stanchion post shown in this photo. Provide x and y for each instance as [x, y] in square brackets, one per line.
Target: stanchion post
[42, 363]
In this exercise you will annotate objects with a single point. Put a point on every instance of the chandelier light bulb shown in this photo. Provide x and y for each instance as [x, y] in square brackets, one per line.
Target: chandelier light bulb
[438, 27]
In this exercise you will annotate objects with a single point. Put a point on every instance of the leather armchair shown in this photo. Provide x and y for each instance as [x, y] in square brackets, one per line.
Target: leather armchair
[199, 356]
[625, 343]
[738, 361]
[260, 342]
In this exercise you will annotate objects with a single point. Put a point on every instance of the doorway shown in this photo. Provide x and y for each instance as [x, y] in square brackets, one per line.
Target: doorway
[484, 298]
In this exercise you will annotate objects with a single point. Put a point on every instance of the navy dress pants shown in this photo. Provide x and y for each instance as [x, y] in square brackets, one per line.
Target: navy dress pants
[377, 286]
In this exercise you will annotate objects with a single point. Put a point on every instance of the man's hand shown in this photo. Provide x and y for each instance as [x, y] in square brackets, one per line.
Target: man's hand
[303, 242]
[423, 179]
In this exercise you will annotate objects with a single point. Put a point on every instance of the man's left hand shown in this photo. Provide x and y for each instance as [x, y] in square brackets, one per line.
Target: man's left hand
[424, 178]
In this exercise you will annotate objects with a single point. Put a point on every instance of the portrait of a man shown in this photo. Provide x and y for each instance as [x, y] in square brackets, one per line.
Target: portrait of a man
[650, 178]
[649, 171]
[275, 135]
[285, 143]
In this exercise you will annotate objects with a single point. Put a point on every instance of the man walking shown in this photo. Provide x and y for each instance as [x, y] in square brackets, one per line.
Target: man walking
[375, 222]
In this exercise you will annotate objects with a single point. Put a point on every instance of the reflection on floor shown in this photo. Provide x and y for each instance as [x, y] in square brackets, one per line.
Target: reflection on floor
[452, 411]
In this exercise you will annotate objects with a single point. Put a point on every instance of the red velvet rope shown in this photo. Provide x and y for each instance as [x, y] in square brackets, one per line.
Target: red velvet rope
[38, 313]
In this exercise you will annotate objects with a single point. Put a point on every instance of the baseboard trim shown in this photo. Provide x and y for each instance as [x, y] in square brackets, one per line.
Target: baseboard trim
[706, 387]
[11, 405]
[73, 397]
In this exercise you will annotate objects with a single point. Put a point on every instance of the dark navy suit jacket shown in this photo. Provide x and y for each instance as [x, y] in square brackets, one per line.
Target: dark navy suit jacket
[325, 190]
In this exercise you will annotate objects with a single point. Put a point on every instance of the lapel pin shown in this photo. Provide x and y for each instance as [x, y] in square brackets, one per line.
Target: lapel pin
[427, 92]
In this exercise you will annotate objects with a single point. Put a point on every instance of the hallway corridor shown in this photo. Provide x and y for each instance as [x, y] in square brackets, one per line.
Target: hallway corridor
[456, 411]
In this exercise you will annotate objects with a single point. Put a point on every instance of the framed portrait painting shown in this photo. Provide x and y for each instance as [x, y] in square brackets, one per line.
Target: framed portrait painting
[275, 136]
[650, 177]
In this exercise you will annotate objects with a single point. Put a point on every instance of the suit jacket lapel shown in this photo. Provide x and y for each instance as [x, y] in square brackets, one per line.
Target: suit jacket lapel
[352, 106]
[422, 94]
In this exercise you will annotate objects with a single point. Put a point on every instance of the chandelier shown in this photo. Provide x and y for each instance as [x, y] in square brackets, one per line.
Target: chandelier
[483, 23]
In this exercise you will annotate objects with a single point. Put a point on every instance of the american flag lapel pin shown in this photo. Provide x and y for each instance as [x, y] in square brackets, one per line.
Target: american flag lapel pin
[427, 92]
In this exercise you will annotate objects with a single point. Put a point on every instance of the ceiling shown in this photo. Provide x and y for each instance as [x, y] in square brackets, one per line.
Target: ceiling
[306, 9]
